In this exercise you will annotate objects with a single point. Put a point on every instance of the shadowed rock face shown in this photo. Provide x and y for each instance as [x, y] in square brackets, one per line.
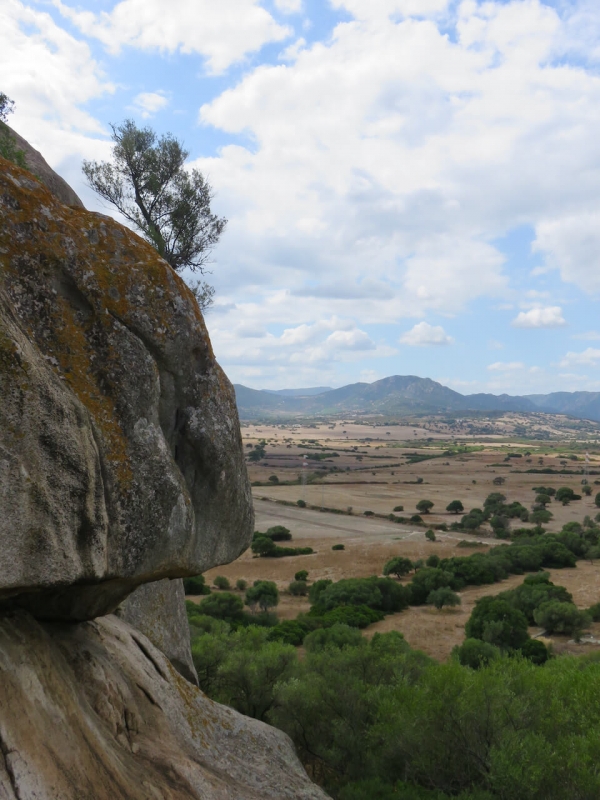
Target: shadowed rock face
[158, 610]
[95, 712]
[120, 454]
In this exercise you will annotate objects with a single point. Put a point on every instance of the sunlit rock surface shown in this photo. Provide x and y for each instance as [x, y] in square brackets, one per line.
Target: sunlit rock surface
[120, 452]
[94, 711]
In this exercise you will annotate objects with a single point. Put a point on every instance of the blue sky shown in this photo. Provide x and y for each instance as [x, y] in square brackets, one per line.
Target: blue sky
[412, 186]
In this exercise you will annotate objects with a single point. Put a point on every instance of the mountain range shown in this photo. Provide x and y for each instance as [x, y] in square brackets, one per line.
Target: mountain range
[405, 394]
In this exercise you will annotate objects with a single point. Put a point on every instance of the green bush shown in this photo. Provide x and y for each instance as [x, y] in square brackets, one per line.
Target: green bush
[398, 566]
[475, 653]
[443, 597]
[557, 617]
[338, 635]
[338, 547]
[279, 533]
[383, 594]
[398, 508]
[430, 536]
[196, 585]
[241, 585]
[301, 575]
[298, 588]
[354, 616]
[301, 503]
[222, 606]
[221, 582]
[495, 621]
[263, 594]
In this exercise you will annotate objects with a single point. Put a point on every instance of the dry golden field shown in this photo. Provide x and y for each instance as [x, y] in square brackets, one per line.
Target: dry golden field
[373, 473]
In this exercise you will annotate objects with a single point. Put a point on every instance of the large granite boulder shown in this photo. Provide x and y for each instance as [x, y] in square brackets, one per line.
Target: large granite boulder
[120, 452]
[95, 712]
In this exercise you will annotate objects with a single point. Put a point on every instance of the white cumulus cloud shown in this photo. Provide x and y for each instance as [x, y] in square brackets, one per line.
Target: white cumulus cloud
[423, 335]
[589, 357]
[548, 317]
[149, 103]
[222, 32]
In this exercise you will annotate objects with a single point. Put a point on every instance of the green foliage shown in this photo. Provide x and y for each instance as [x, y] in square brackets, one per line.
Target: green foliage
[475, 653]
[298, 588]
[354, 616]
[301, 503]
[398, 508]
[427, 580]
[565, 495]
[557, 617]
[443, 597]
[224, 606]
[264, 546]
[542, 499]
[279, 533]
[398, 566]
[535, 651]
[301, 575]
[221, 582]
[433, 561]
[497, 622]
[196, 585]
[377, 721]
[430, 535]
[416, 519]
[338, 547]
[263, 594]
[338, 635]
[455, 507]
[273, 479]
[146, 180]
[8, 146]
[241, 585]
[317, 588]
[424, 506]
[382, 594]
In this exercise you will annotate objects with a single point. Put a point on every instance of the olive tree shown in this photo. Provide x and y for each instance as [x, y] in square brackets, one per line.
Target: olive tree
[147, 182]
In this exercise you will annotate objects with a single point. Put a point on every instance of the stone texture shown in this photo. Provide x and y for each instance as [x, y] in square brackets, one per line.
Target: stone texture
[42, 170]
[120, 452]
[94, 711]
[158, 611]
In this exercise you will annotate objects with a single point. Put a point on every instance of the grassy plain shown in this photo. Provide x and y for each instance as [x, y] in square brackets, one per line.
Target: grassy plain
[377, 468]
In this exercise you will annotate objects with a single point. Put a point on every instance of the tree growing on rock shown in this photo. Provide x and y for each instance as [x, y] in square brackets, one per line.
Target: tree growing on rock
[147, 182]
[8, 145]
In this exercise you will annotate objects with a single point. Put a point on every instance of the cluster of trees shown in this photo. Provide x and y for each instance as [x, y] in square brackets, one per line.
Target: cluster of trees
[263, 544]
[403, 727]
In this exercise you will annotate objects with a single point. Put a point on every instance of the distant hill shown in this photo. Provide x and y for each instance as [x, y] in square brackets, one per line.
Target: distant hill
[300, 392]
[406, 394]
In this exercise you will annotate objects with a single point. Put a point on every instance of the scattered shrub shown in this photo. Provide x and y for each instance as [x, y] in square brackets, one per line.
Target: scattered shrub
[338, 547]
[221, 582]
[298, 588]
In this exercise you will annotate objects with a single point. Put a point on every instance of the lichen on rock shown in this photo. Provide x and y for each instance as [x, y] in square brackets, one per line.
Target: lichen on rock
[120, 452]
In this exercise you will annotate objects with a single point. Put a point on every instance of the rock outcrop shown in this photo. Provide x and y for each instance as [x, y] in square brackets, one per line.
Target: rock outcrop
[158, 610]
[95, 712]
[38, 165]
[121, 470]
[120, 452]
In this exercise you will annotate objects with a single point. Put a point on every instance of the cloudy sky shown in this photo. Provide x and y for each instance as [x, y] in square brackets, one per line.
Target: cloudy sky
[412, 186]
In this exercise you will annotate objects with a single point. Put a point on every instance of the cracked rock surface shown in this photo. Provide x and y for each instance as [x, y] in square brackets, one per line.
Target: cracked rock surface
[94, 711]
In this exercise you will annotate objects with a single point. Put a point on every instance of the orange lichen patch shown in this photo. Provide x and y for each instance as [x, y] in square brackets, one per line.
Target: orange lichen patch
[115, 277]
